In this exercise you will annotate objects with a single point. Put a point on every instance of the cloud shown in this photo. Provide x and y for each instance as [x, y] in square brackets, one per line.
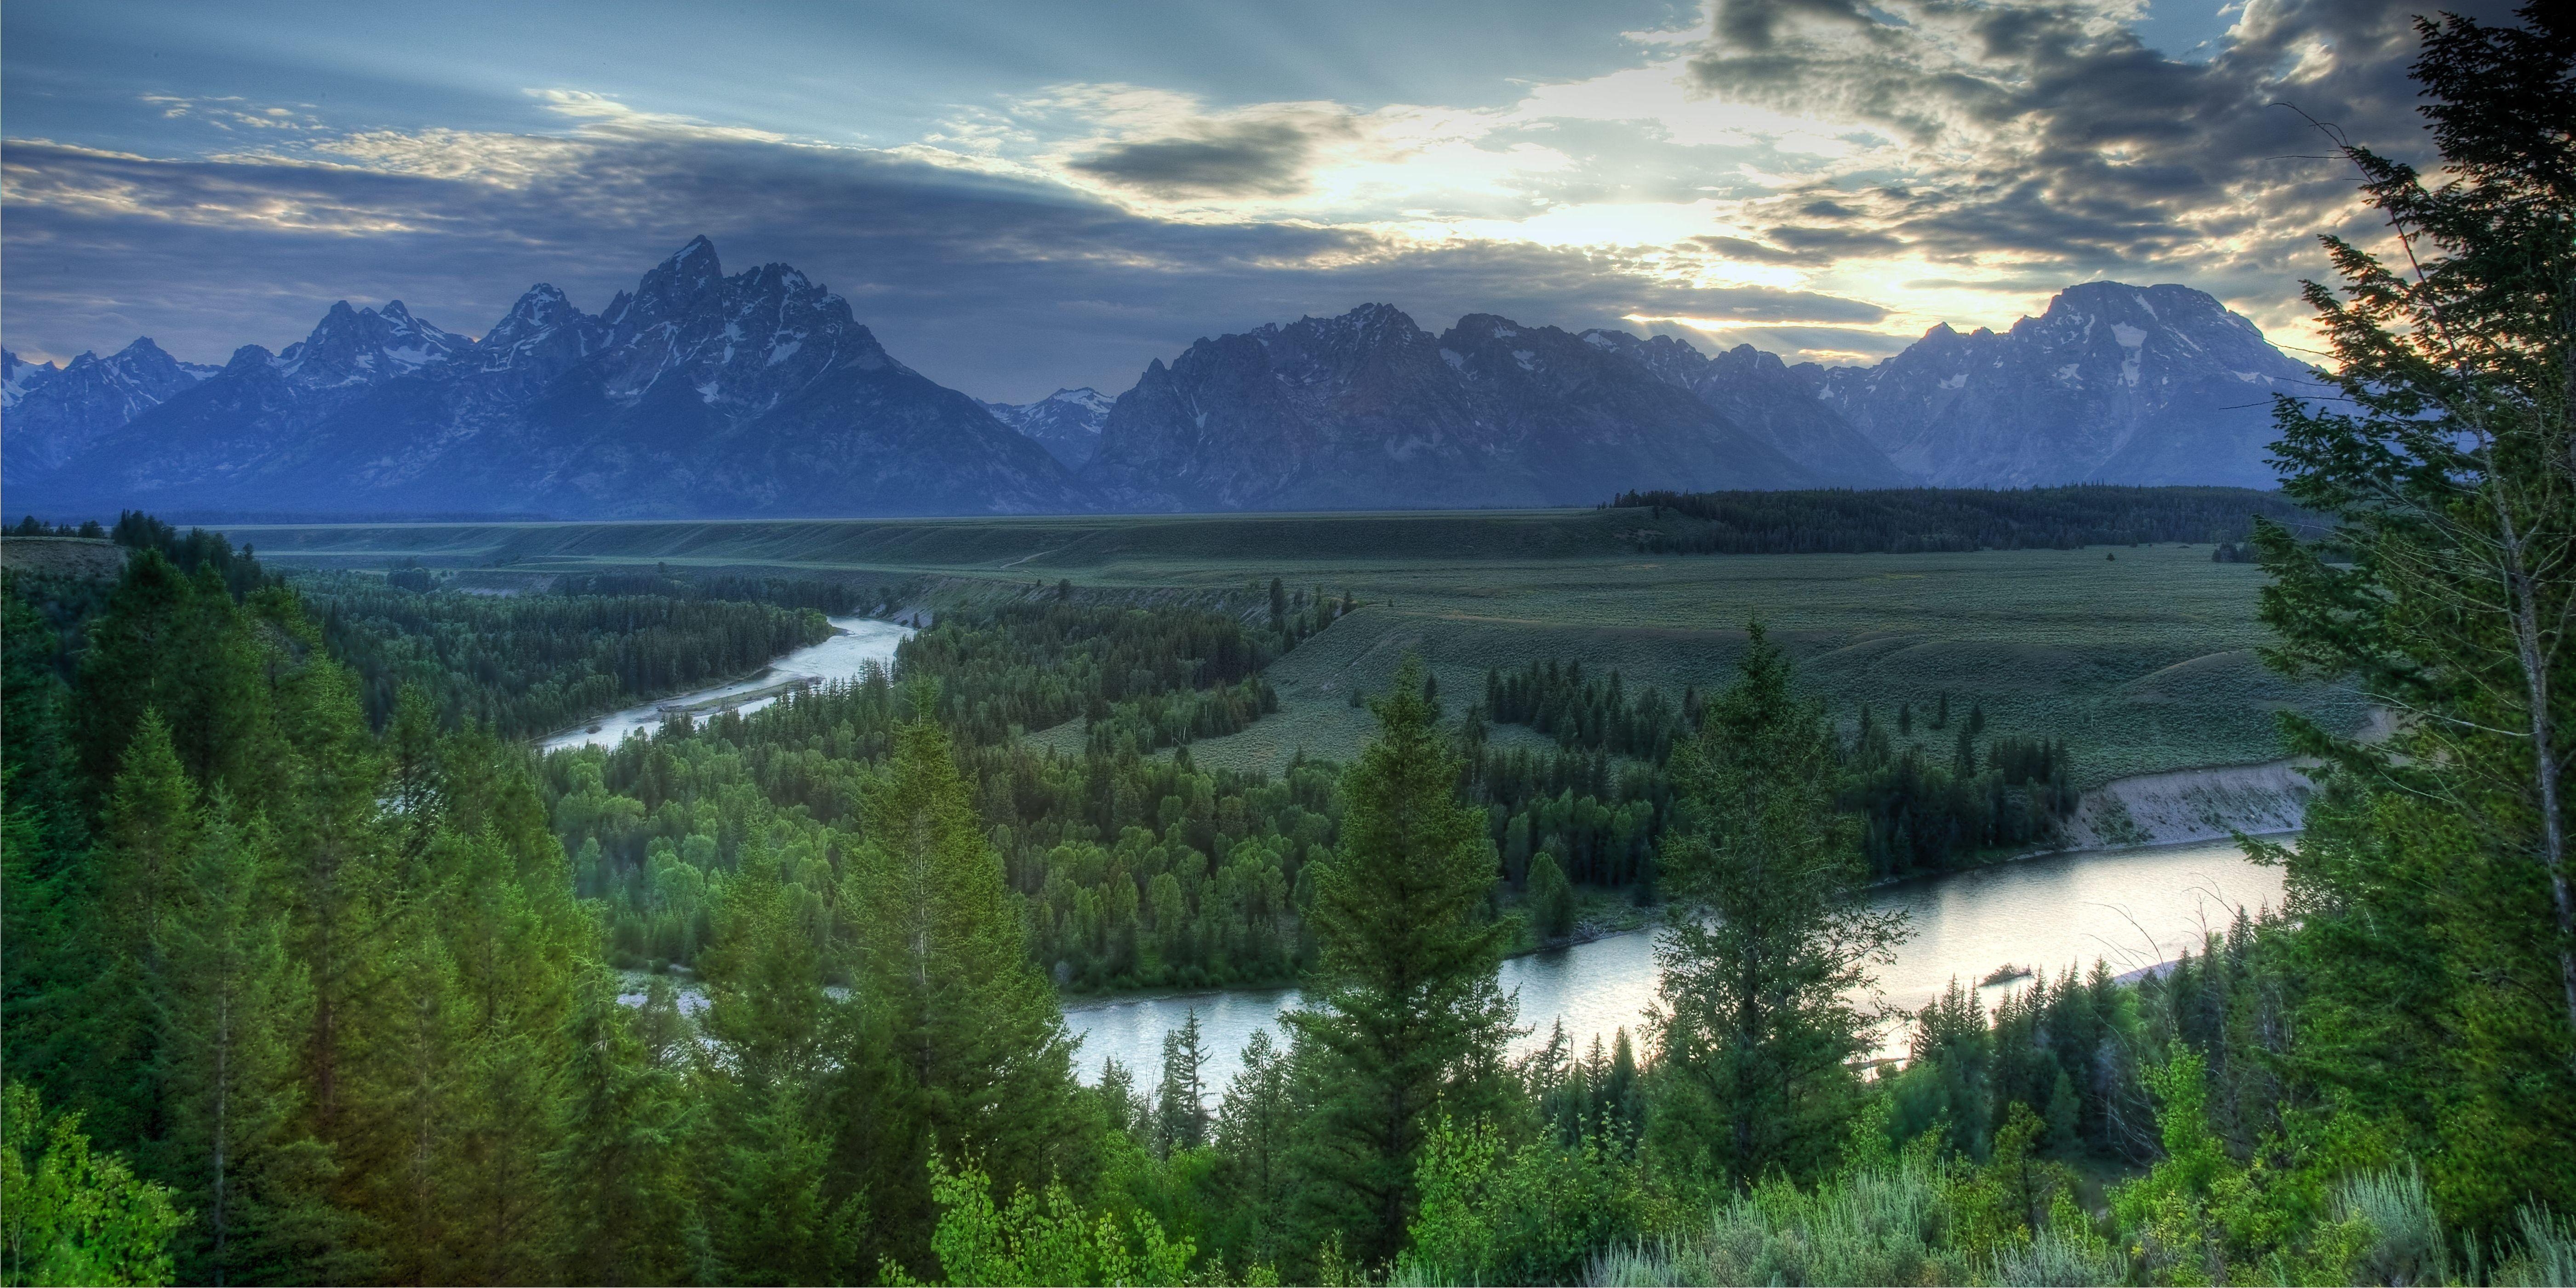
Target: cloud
[1219, 159]
[1002, 285]
[1827, 176]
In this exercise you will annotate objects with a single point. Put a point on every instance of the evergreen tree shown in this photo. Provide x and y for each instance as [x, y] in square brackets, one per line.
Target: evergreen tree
[1180, 1102]
[1768, 934]
[1551, 898]
[1404, 1010]
[2446, 592]
[410, 1091]
[1257, 1134]
[770, 1214]
[233, 1005]
[622, 1172]
[957, 1038]
[144, 871]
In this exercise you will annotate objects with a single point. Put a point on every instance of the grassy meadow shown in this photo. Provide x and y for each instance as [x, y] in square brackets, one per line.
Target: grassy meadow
[2141, 657]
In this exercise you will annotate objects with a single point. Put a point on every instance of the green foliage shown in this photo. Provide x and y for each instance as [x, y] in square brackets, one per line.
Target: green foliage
[535, 663]
[1595, 715]
[974, 1051]
[1882, 1223]
[1403, 1010]
[1768, 939]
[1551, 898]
[1921, 816]
[1141, 679]
[1527, 1215]
[69, 1215]
[2437, 956]
[1040, 1239]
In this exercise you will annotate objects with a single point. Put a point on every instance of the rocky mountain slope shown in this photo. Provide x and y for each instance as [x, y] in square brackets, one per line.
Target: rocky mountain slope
[702, 395]
[54, 413]
[2112, 384]
[1067, 422]
[1368, 410]
[696, 394]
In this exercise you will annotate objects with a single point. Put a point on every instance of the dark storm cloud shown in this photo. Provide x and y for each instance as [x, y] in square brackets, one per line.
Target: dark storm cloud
[1001, 287]
[1233, 159]
[2067, 136]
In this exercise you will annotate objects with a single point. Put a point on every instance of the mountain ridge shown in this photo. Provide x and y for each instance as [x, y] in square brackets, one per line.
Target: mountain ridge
[698, 394]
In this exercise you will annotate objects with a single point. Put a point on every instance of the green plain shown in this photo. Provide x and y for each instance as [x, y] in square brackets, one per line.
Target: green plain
[2143, 661]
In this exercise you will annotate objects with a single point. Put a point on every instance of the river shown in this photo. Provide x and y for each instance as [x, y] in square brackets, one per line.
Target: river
[862, 642]
[2129, 907]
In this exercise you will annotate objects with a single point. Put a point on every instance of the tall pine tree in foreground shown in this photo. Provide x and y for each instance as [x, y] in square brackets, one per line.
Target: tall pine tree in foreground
[1766, 936]
[955, 1041]
[2435, 887]
[1404, 1011]
[232, 1007]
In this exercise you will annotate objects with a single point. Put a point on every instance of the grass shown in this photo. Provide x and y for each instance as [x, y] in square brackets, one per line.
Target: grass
[2142, 661]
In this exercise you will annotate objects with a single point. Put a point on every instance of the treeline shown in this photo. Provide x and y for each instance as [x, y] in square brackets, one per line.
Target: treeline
[1915, 520]
[525, 664]
[1130, 871]
[1918, 812]
[1141, 678]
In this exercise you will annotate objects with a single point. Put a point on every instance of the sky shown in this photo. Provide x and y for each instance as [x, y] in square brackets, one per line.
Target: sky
[1019, 197]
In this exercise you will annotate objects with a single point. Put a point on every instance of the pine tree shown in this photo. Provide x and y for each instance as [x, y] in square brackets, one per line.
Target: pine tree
[956, 1038]
[1404, 1007]
[1768, 935]
[2435, 887]
[142, 874]
[770, 1211]
[410, 1087]
[1180, 1102]
[233, 1005]
[1551, 898]
[622, 1172]
[1256, 1141]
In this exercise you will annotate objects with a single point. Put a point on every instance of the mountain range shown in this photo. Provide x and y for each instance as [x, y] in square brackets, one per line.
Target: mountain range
[699, 394]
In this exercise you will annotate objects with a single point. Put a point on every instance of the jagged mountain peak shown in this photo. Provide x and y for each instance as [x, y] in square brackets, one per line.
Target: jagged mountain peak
[2112, 382]
[353, 347]
[19, 377]
[1067, 423]
[682, 280]
[1365, 326]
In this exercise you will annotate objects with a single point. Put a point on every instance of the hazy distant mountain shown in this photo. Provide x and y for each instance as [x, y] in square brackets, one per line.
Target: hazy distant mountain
[1763, 396]
[1368, 410]
[2113, 384]
[1067, 422]
[695, 394]
[698, 394]
[55, 412]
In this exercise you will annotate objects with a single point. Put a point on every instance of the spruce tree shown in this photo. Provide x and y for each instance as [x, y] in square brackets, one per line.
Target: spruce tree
[621, 1172]
[1768, 934]
[2435, 886]
[1180, 1102]
[771, 1215]
[142, 874]
[233, 1006]
[955, 1037]
[1551, 898]
[1403, 1010]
